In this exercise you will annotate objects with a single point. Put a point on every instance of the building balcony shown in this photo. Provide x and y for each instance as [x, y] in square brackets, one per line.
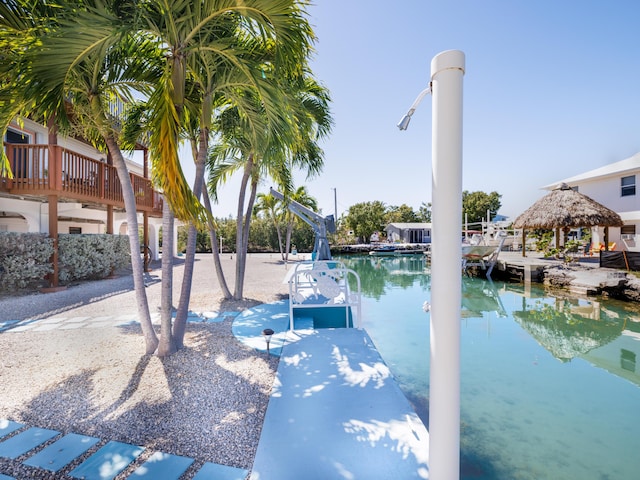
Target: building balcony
[44, 170]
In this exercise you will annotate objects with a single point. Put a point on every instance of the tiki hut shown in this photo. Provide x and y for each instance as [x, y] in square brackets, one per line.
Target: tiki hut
[565, 208]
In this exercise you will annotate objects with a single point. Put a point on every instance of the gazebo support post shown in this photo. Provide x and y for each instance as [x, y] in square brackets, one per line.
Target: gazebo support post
[524, 242]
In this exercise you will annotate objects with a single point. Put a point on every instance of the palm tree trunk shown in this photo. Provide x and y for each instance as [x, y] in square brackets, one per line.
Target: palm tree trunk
[279, 239]
[248, 215]
[215, 250]
[137, 266]
[245, 240]
[167, 344]
[180, 324]
[288, 240]
[241, 254]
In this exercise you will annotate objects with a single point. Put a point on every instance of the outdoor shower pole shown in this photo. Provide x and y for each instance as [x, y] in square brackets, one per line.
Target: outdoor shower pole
[447, 70]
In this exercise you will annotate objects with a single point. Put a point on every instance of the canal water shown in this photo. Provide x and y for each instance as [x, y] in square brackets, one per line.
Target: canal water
[550, 384]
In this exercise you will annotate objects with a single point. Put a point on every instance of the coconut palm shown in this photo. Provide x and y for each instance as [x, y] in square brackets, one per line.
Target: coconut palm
[302, 197]
[70, 70]
[269, 205]
[274, 154]
[216, 54]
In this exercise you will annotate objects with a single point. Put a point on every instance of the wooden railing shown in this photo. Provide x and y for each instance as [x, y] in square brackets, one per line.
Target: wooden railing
[54, 170]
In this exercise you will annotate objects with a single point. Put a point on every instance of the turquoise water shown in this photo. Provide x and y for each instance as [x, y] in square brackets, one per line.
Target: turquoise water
[550, 388]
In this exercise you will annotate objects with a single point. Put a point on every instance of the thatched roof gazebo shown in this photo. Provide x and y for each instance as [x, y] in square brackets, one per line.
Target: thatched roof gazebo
[565, 208]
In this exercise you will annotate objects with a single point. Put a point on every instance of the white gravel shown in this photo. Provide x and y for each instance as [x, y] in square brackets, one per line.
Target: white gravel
[206, 402]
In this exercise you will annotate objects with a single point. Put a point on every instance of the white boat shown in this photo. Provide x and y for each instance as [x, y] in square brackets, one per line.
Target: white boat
[483, 256]
[383, 250]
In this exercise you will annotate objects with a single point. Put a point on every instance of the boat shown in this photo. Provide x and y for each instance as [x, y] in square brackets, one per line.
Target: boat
[383, 250]
[483, 256]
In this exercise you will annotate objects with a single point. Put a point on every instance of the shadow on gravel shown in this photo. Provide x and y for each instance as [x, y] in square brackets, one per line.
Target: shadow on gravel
[36, 305]
[207, 401]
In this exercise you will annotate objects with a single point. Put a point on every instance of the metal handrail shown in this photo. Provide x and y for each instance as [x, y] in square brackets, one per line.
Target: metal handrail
[306, 278]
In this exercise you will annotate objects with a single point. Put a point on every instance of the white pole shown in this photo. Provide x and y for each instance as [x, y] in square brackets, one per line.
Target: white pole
[447, 70]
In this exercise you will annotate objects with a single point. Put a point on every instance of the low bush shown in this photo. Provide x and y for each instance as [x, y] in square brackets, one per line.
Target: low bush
[84, 257]
[24, 259]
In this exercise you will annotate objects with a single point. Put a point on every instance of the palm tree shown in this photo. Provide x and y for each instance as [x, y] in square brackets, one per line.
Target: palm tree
[268, 204]
[274, 155]
[302, 197]
[80, 51]
[214, 52]
[72, 68]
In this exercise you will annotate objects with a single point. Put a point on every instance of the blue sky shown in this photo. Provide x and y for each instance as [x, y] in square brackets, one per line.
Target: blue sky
[550, 91]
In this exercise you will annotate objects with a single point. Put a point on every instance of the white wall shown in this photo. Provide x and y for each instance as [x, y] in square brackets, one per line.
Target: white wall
[607, 191]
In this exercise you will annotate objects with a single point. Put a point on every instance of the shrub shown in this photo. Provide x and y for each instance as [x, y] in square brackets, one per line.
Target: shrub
[24, 259]
[83, 257]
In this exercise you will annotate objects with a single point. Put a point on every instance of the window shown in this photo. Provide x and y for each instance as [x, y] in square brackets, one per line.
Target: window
[15, 136]
[628, 186]
[21, 155]
[75, 230]
[628, 229]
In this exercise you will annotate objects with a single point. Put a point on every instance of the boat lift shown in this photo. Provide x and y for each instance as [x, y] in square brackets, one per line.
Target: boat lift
[321, 225]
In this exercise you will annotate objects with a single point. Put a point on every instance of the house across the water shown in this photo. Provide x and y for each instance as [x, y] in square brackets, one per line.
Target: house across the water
[615, 187]
[409, 232]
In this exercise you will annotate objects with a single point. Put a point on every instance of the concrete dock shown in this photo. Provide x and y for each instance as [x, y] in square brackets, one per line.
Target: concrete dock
[337, 412]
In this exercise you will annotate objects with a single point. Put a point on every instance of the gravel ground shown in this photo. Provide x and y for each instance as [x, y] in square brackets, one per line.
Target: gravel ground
[206, 402]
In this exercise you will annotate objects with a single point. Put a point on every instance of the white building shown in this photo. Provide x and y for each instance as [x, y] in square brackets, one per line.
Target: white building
[615, 187]
[409, 232]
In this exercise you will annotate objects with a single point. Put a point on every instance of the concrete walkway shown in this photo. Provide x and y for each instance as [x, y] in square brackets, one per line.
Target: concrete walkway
[337, 412]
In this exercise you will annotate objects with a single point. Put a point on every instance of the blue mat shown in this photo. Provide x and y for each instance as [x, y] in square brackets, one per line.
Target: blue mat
[25, 441]
[107, 462]
[61, 452]
[220, 472]
[8, 426]
[162, 466]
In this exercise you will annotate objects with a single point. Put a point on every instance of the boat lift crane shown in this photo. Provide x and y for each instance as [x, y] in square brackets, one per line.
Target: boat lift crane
[321, 225]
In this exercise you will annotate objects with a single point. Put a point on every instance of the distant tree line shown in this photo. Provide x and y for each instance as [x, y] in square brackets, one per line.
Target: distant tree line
[272, 221]
[262, 237]
[364, 219]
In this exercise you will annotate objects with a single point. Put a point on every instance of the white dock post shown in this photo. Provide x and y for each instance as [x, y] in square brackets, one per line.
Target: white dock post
[447, 70]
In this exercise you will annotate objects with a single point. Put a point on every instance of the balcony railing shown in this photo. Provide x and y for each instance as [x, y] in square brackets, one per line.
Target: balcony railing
[54, 170]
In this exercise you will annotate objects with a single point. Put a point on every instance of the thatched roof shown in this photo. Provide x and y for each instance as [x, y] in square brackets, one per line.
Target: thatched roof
[565, 207]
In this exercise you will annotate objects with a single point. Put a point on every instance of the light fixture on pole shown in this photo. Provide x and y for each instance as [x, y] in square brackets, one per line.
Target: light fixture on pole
[267, 333]
[404, 121]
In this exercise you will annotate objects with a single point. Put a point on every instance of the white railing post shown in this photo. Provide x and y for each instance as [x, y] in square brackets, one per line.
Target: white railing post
[447, 70]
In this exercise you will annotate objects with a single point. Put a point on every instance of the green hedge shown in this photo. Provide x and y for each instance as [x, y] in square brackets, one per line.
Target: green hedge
[82, 257]
[24, 259]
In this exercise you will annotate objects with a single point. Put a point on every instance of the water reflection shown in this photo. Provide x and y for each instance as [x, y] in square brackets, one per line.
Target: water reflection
[525, 415]
[480, 297]
[605, 332]
[567, 327]
[379, 274]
